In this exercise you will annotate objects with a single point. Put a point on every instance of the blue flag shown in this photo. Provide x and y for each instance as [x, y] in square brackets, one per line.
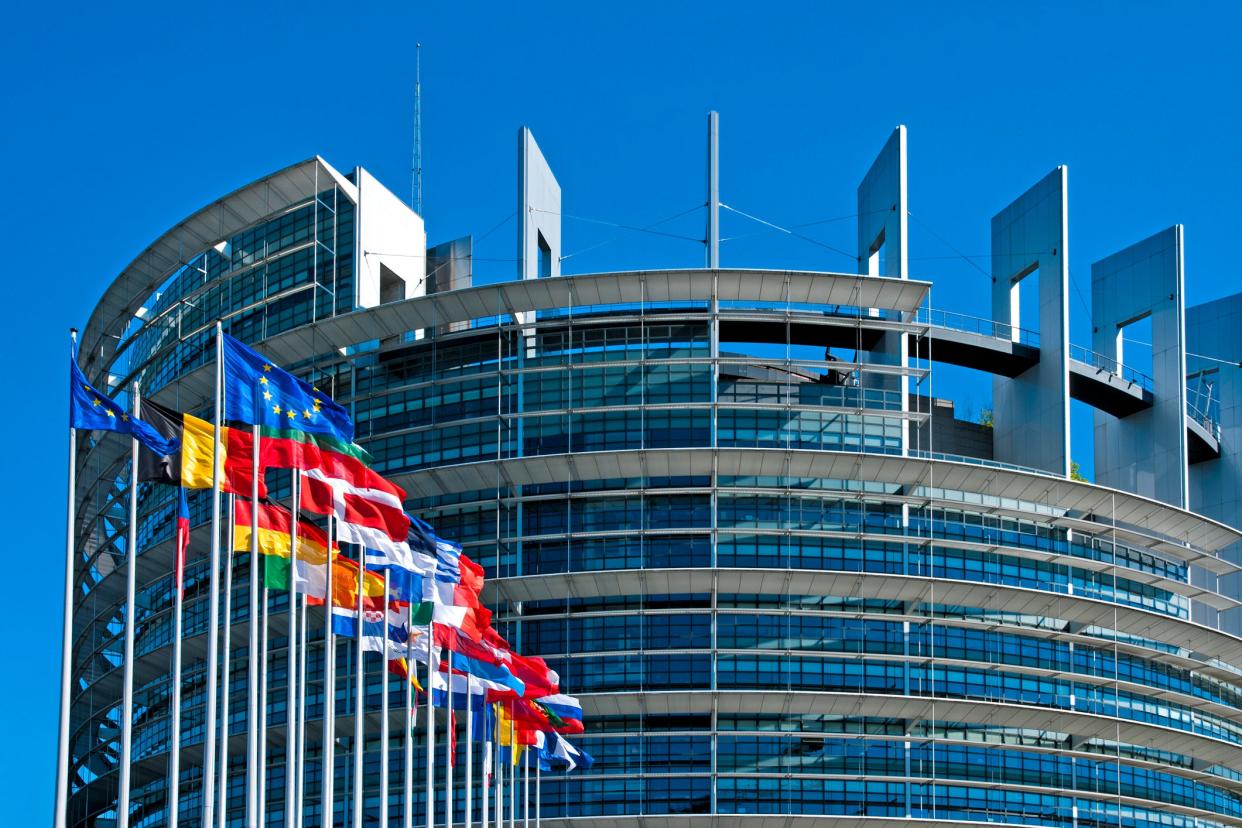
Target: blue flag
[91, 409]
[259, 393]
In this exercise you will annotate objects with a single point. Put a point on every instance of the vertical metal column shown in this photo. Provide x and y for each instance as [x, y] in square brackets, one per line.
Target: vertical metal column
[713, 190]
[131, 566]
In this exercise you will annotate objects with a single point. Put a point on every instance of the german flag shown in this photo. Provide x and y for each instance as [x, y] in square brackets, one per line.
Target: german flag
[190, 465]
[275, 542]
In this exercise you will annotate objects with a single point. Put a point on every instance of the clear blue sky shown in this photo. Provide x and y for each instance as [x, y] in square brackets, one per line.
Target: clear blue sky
[121, 119]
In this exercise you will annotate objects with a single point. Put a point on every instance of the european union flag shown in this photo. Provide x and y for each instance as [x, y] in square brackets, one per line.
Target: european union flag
[259, 393]
[91, 409]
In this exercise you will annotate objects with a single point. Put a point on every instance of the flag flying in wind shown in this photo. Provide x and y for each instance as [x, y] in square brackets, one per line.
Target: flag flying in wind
[457, 580]
[471, 621]
[345, 588]
[564, 712]
[355, 507]
[189, 463]
[374, 621]
[411, 564]
[478, 660]
[540, 679]
[91, 409]
[275, 528]
[555, 749]
[258, 392]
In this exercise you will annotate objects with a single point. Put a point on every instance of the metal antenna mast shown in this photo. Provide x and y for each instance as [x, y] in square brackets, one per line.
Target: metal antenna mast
[416, 164]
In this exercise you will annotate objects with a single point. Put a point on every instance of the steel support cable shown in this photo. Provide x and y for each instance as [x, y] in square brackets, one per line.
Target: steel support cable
[971, 261]
[949, 245]
[790, 232]
[647, 228]
[815, 223]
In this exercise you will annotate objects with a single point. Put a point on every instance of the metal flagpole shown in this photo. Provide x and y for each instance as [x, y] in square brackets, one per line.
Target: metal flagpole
[329, 692]
[512, 772]
[174, 754]
[291, 661]
[213, 611]
[431, 725]
[485, 772]
[131, 575]
[538, 792]
[59, 818]
[300, 788]
[383, 803]
[500, 773]
[525, 789]
[252, 673]
[221, 814]
[407, 810]
[469, 753]
[262, 721]
[359, 694]
[450, 739]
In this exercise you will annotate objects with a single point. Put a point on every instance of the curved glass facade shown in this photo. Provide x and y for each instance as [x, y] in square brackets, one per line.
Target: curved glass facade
[747, 638]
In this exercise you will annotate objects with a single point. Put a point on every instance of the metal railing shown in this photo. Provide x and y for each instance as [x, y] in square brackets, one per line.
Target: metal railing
[1203, 406]
[977, 325]
[975, 461]
[1103, 363]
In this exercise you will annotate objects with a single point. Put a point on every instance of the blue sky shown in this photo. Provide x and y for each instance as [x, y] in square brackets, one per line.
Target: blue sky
[121, 119]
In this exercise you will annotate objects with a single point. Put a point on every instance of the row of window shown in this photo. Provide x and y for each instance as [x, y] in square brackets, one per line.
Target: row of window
[659, 383]
[260, 267]
[736, 631]
[632, 429]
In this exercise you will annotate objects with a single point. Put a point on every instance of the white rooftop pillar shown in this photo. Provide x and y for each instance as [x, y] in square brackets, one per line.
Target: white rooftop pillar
[1146, 452]
[713, 190]
[1031, 411]
[883, 216]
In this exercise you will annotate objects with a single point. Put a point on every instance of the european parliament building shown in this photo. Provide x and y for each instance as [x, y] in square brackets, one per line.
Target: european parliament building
[789, 585]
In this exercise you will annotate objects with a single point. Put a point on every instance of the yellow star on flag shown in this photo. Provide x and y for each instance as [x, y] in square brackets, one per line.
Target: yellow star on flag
[125, 418]
[96, 402]
[109, 412]
[306, 414]
[267, 367]
[275, 409]
[262, 380]
[291, 413]
[267, 396]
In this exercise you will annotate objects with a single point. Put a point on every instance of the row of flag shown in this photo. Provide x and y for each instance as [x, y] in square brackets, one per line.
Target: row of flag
[429, 582]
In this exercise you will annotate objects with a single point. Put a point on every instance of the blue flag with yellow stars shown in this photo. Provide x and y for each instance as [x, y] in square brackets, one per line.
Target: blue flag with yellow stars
[259, 393]
[91, 409]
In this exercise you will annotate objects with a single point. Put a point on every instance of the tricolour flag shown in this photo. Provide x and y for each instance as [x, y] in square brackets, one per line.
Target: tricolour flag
[189, 464]
[275, 527]
[345, 586]
[565, 712]
[470, 621]
[383, 631]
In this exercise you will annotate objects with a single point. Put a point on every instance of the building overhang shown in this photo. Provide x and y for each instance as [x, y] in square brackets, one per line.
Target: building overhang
[204, 228]
[1012, 487]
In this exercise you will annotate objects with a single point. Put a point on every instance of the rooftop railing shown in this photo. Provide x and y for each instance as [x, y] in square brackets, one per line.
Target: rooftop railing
[974, 461]
[1203, 407]
[1103, 363]
[977, 325]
